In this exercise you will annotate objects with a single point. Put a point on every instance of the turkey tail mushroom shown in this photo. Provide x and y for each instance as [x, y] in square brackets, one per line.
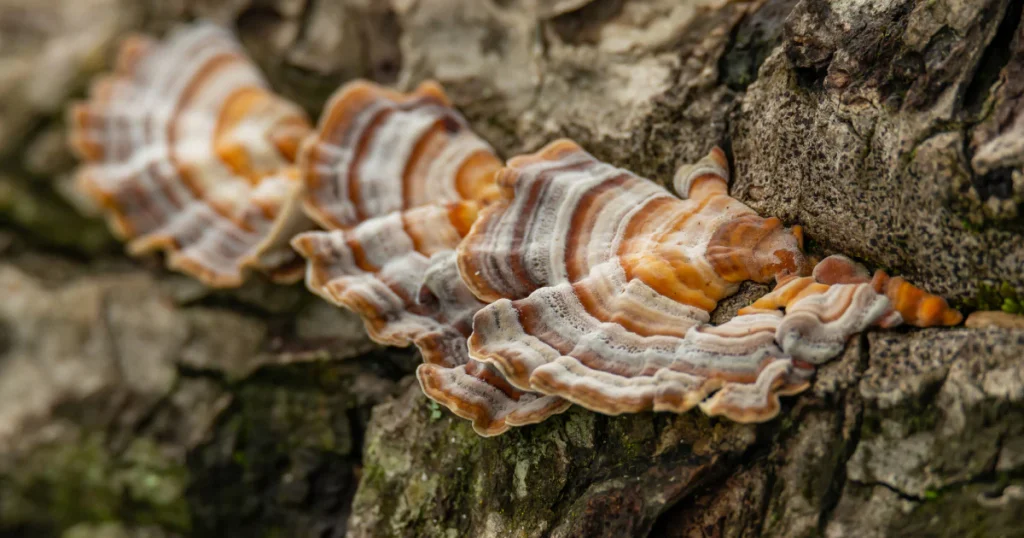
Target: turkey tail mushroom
[840, 299]
[398, 180]
[416, 297]
[553, 280]
[189, 152]
[916, 306]
[377, 151]
[602, 283]
[376, 269]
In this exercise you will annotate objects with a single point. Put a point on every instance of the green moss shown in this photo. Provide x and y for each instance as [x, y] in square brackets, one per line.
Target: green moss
[51, 220]
[110, 529]
[900, 422]
[435, 411]
[84, 481]
[1003, 296]
[296, 408]
[926, 420]
[283, 455]
[631, 436]
[787, 423]
[956, 511]
[579, 427]
[971, 226]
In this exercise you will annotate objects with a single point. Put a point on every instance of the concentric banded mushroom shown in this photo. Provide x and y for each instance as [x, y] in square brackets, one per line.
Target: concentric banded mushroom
[556, 279]
[398, 180]
[190, 152]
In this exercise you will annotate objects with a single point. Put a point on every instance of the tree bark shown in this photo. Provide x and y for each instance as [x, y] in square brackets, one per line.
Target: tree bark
[135, 403]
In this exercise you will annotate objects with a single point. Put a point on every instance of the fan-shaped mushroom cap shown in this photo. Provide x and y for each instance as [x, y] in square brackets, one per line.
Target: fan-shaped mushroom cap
[478, 392]
[909, 303]
[398, 273]
[189, 152]
[602, 281]
[560, 341]
[377, 151]
[471, 389]
[916, 306]
[563, 212]
[398, 179]
[377, 268]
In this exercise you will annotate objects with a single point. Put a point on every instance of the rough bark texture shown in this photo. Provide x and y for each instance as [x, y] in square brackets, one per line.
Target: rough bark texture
[134, 403]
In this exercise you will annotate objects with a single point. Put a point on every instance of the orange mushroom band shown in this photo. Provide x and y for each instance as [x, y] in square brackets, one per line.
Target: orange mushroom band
[189, 152]
[555, 279]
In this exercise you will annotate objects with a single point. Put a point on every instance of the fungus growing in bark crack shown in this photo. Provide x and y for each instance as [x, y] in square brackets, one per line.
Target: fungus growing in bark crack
[555, 279]
[189, 152]
[600, 285]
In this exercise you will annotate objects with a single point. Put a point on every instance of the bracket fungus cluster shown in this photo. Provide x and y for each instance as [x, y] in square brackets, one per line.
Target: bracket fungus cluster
[189, 152]
[550, 280]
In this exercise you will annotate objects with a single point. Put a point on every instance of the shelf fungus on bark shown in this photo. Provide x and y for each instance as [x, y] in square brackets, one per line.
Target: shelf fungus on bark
[600, 285]
[581, 282]
[189, 152]
[377, 151]
[552, 280]
[398, 180]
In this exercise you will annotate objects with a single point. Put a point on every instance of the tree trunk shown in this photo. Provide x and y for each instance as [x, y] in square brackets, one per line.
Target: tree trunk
[135, 403]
